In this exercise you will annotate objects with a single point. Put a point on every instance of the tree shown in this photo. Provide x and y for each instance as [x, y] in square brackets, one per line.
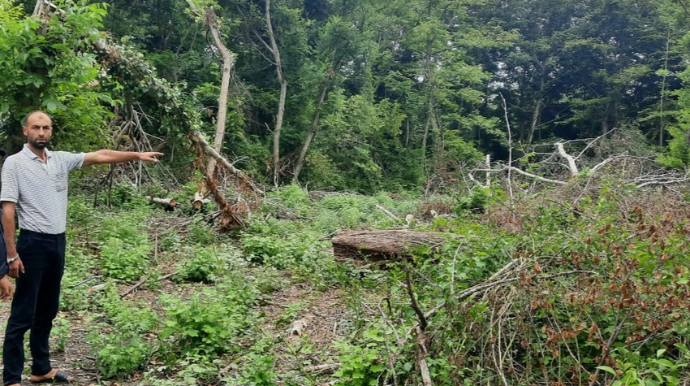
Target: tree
[46, 63]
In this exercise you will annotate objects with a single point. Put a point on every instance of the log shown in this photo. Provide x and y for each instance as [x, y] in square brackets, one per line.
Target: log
[384, 245]
[198, 201]
[166, 202]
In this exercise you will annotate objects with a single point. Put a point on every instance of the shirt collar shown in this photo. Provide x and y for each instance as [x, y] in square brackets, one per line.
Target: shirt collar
[33, 155]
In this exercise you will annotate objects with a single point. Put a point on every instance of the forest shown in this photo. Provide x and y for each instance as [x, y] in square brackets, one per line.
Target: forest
[359, 192]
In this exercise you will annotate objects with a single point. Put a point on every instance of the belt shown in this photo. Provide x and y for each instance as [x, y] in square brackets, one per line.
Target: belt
[50, 236]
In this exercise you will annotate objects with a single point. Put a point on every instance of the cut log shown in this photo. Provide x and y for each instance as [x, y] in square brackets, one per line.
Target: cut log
[168, 203]
[198, 201]
[385, 244]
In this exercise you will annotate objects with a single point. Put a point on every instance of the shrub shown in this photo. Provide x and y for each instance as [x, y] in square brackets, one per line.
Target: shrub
[361, 366]
[120, 260]
[120, 353]
[202, 264]
[210, 321]
[117, 337]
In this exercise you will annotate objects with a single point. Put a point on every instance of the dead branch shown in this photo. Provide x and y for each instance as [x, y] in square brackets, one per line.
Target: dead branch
[141, 282]
[413, 301]
[422, 353]
[572, 166]
[524, 173]
[240, 175]
[387, 212]
[326, 368]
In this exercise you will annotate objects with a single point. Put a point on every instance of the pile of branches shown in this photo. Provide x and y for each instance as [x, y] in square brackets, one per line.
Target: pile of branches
[582, 301]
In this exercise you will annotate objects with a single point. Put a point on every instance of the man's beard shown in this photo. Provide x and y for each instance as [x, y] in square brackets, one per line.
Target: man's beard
[39, 145]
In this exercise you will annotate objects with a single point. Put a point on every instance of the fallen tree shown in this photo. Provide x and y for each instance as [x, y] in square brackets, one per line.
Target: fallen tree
[385, 245]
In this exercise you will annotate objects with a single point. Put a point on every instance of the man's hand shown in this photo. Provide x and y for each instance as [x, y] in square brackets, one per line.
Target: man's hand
[16, 267]
[6, 288]
[150, 156]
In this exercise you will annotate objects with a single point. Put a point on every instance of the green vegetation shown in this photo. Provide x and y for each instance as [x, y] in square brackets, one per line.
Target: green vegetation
[593, 291]
[564, 255]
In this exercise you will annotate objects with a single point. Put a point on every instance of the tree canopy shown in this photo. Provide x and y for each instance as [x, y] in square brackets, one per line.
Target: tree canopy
[356, 94]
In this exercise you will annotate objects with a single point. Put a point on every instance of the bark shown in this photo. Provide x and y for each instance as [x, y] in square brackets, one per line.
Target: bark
[310, 135]
[510, 150]
[231, 216]
[424, 140]
[385, 244]
[228, 62]
[662, 123]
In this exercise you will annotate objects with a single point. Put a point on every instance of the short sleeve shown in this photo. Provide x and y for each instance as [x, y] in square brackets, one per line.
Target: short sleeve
[10, 188]
[73, 160]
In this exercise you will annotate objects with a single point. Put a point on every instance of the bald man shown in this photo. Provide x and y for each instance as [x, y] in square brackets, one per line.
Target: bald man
[34, 187]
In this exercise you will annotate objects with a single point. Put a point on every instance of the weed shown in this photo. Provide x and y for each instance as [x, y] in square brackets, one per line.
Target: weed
[361, 366]
[120, 260]
[61, 333]
[210, 321]
[202, 264]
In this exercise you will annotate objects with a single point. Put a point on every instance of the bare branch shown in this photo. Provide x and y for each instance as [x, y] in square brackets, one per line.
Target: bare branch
[236, 172]
[572, 166]
[524, 173]
[593, 141]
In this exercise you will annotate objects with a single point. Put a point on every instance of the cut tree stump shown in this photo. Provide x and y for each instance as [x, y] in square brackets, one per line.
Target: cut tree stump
[383, 245]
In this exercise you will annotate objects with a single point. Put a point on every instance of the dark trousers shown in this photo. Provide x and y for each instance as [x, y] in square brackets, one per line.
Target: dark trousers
[35, 304]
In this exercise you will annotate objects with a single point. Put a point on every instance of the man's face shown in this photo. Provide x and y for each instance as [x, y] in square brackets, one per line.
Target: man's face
[38, 130]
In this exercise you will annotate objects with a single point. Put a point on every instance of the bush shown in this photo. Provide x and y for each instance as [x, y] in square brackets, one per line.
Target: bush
[118, 334]
[125, 247]
[120, 353]
[201, 264]
[120, 260]
[209, 322]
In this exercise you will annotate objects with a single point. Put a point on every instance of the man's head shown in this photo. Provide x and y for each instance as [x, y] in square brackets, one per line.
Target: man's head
[38, 129]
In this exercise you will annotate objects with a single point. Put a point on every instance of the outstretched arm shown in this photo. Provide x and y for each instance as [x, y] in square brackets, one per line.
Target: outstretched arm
[105, 156]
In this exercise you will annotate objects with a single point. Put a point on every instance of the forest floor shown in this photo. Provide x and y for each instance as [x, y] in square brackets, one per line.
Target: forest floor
[320, 317]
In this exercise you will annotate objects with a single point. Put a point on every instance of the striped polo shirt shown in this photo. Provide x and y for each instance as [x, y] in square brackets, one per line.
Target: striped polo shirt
[39, 189]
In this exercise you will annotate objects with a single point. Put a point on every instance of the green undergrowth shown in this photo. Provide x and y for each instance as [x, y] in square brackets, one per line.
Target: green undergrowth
[567, 286]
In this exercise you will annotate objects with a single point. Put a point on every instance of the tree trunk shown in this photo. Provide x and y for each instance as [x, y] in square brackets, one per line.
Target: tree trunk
[385, 244]
[245, 182]
[283, 94]
[536, 113]
[310, 135]
[424, 140]
[662, 100]
[209, 19]
[228, 62]
[168, 203]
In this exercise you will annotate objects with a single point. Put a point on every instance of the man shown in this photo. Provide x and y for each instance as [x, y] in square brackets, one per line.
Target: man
[34, 186]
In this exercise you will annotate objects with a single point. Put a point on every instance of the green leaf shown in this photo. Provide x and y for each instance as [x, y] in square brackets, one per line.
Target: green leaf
[608, 370]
